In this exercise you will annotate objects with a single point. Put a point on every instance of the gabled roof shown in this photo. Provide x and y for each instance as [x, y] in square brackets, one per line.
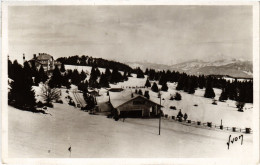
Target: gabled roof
[118, 99]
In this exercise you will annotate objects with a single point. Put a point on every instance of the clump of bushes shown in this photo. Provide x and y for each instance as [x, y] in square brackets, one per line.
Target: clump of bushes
[39, 104]
[71, 102]
[177, 96]
[214, 102]
[173, 107]
[50, 105]
[59, 101]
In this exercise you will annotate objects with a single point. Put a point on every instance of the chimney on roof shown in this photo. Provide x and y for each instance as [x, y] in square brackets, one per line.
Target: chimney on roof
[132, 95]
[34, 56]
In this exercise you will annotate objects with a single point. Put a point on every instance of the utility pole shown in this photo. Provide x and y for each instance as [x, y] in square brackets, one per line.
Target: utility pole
[160, 114]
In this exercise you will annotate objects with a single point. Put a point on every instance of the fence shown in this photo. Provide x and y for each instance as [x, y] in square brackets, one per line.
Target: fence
[209, 125]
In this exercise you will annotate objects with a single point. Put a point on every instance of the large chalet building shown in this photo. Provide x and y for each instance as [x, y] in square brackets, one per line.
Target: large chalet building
[45, 60]
[128, 104]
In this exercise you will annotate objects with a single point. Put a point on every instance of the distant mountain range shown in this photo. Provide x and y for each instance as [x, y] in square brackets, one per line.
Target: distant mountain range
[231, 67]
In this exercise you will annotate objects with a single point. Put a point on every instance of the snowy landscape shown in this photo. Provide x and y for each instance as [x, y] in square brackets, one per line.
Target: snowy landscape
[51, 134]
[130, 81]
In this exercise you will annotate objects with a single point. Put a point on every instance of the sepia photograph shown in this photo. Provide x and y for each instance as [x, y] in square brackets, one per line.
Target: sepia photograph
[130, 81]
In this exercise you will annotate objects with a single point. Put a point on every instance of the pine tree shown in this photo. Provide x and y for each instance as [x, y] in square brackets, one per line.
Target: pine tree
[93, 77]
[107, 72]
[75, 77]
[163, 78]
[125, 76]
[103, 82]
[56, 78]
[201, 81]
[37, 79]
[140, 73]
[186, 84]
[62, 69]
[42, 75]
[65, 80]
[155, 87]
[10, 69]
[165, 87]
[83, 75]
[209, 92]
[140, 92]
[98, 72]
[34, 69]
[180, 85]
[27, 69]
[116, 76]
[83, 86]
[223, 96]
[22, 95]
[147, 83]
[146, 94]
[90, 100]
[191, 86]
[177, 96]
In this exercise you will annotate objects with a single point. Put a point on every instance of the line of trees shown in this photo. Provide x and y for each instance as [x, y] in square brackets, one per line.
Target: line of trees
[235, 90]
[95, 62]
[21, 94]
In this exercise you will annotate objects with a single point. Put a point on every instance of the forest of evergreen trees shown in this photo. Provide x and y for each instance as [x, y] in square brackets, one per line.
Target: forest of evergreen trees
[235, 90]
[96, 62]
[25, 76]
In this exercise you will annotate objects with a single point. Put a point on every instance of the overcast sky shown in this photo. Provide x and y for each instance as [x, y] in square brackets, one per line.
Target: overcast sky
[157, 34]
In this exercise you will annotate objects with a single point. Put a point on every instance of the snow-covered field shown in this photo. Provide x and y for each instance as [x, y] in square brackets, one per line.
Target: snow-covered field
[204, 112]
[50, 135]
[38, 135]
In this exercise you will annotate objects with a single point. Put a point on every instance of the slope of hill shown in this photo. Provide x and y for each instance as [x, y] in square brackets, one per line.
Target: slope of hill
[93, 136]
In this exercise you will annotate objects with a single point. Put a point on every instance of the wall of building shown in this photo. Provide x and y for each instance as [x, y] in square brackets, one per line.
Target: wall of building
[146, 107]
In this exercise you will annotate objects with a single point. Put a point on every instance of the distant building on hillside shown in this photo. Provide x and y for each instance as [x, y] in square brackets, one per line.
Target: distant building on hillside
[128, 104]
[45, 60]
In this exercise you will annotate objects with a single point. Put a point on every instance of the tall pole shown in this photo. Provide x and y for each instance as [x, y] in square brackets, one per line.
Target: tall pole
[160, 115]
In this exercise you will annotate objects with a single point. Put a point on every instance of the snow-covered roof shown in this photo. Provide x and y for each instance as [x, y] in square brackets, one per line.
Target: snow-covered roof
[119, 98]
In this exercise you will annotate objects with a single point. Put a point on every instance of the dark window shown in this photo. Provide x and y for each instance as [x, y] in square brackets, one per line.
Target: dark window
[138, 102]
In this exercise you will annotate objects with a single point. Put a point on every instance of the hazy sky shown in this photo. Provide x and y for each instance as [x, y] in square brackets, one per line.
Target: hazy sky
[157, 34]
